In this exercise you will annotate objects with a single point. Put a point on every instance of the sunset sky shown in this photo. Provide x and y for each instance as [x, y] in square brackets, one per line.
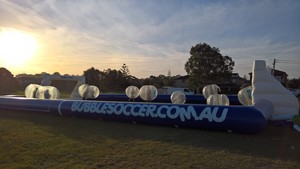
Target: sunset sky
[150, 36]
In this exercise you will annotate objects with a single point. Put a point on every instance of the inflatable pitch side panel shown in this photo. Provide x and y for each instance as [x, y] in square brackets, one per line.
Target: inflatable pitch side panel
[25, 104]
[221, 118]
[165, 98]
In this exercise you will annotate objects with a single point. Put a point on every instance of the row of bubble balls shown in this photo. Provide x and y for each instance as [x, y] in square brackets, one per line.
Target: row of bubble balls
[147, 93]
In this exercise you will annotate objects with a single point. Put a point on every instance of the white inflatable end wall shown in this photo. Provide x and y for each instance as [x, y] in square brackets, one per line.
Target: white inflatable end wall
[266, 87]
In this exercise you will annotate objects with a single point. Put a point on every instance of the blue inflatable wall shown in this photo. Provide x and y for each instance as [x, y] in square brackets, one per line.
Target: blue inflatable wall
[191, 99]
[221, 118]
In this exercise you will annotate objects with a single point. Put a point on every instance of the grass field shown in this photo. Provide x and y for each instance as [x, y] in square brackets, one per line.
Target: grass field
[36, 140]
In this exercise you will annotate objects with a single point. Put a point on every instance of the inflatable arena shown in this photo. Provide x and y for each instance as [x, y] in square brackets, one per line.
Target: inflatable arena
[247, 112]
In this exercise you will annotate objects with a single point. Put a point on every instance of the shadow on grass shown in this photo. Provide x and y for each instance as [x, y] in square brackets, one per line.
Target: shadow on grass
[273, 143]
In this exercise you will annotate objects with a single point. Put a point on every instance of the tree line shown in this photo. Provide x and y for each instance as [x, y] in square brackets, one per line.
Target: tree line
[112, 80]
[109, 80]
[8, 82]
[206, 65]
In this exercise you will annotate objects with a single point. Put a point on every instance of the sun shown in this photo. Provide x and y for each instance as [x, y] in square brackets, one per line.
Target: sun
[16, 47]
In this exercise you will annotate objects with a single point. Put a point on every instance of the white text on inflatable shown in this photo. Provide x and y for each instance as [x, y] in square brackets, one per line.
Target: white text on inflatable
[211, 114]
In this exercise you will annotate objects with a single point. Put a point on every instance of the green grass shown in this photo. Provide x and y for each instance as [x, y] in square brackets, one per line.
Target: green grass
[37, 140]
[297, 120]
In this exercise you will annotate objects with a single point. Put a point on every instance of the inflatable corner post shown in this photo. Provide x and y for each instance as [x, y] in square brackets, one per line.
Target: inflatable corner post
[75, 93]
[266, 87]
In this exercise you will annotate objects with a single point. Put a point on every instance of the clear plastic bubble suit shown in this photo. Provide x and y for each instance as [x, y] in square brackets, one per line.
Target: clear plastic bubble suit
[244, 96]
[210, 89]
[132, 92]
[88, 91]
[47, 92]
[30, 90]
[217, 99]
[148, 92]
[178, 97]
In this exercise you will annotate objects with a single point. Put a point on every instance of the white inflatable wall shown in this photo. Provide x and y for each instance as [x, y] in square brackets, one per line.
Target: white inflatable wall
[266, 87]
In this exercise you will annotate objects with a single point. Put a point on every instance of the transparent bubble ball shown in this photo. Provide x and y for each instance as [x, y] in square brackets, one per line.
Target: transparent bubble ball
[178, 97]
[148, 92]
[132, 92]
[47, 92]
[88, 91]
[30, 90]
[244, 96]
[218, 99]
[210, 89]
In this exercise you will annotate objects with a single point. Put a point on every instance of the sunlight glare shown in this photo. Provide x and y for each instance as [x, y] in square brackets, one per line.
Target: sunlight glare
[16, 47]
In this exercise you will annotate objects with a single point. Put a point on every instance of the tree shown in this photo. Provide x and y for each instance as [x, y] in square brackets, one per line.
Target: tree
[7, 81]
[169, 73]
[159, 81]
[92, 76]
[56, 73]
[112, 79]
[207, 65]
[125, 71]
[169, 80]
[125, 78]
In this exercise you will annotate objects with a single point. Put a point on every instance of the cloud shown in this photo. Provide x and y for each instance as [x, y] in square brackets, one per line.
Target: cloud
[152, 37]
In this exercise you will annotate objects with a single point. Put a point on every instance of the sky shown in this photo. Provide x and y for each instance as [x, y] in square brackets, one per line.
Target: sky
[152, 37]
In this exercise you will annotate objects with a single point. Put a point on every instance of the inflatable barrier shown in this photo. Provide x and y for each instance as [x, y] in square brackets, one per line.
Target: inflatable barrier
[265, 100]
[239, 119]
[165, 98]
